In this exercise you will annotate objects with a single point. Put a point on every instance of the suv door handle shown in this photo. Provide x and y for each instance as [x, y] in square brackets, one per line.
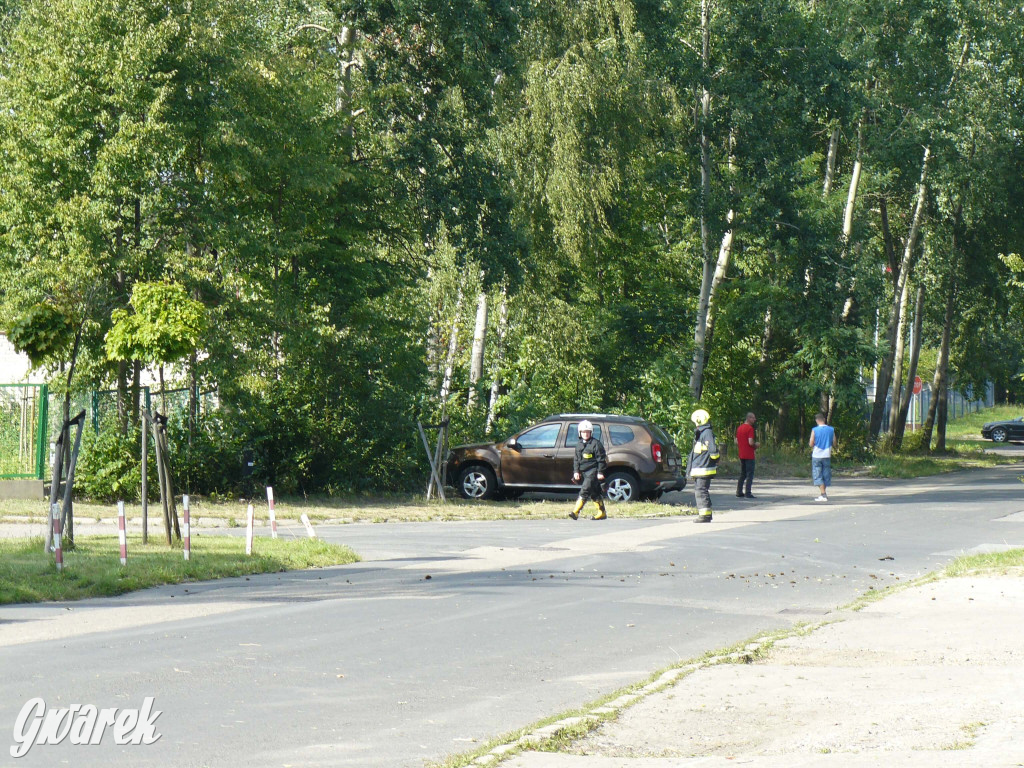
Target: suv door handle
[549, 455]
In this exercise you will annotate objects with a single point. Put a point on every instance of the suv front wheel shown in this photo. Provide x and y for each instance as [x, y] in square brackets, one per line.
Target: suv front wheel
[622, 486]
[476, 482]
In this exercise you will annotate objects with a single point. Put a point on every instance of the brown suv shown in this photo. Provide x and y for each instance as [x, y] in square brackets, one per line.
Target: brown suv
[643, 462]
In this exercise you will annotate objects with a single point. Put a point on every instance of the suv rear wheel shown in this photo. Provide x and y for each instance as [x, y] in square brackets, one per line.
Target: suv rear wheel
[622, 486]
[476, 482]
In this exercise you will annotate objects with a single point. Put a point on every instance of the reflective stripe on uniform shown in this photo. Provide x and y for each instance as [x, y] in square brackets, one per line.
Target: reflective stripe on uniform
[703, 472]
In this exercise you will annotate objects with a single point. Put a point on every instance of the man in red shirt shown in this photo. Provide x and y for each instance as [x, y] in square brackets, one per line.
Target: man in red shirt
[747, 444]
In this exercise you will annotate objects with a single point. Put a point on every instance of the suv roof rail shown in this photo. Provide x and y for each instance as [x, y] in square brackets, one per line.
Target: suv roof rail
[615, 416]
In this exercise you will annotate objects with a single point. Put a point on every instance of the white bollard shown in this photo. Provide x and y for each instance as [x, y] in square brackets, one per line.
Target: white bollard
[273, 517]
[58, 553]
[248, 531]
[122, 535]
[187, 533]
[309, 527]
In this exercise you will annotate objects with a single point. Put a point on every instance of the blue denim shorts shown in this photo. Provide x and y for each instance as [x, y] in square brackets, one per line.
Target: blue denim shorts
[821, 471]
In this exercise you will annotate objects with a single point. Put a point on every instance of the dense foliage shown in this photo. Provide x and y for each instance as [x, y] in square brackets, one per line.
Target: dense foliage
[347, 215]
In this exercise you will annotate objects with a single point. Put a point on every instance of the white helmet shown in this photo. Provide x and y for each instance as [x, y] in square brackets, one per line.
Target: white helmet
[585, 426]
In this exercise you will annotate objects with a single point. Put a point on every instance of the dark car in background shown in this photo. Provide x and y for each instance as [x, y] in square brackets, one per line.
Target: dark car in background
[1004, 431]
[643, 461]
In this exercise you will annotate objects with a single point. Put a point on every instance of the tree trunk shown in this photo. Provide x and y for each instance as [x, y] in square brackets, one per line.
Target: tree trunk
[897, 310]
[942, 364]
[941, 417]
[499, 356]
[453, 345]
[476, 361]
[700, 329]
[900, 425]
[163, 390]
[830, 162]
[721, 269]
[193, 397]
[136, 391]
[847, 235]
[898, 359]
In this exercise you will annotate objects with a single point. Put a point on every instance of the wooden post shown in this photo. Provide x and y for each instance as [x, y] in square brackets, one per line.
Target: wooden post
[160, 478]
[122, 534]
[145, 485]
[57, 469]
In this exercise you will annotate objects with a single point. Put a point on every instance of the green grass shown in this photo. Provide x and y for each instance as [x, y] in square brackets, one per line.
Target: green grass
[1000, 562]
[93, 568]
[970, 425]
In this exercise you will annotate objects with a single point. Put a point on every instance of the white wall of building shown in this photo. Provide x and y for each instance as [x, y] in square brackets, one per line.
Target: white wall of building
[14, 366]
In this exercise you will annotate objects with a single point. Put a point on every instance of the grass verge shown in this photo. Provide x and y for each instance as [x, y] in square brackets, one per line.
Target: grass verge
[93, 568]
[322, 509]
[993, 562]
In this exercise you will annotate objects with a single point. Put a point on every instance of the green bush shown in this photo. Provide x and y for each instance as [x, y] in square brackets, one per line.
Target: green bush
[109, 468]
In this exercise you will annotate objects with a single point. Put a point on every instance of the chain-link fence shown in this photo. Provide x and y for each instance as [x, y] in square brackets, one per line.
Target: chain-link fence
[958, 404]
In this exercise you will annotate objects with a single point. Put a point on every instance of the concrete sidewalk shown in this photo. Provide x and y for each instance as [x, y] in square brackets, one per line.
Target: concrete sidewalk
[932, 676]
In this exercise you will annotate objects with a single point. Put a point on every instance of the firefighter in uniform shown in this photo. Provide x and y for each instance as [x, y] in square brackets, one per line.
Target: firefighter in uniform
[588, 466]
[703, 463]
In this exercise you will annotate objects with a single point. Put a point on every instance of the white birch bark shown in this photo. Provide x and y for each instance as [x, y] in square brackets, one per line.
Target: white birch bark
[721, 270]
[499, 357]
[899, 426]
[897, 312]
[700, 329]
[453, 346]
[830, 162]
[476, 360]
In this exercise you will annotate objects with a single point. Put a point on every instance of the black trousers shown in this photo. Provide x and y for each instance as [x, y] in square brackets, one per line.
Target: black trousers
[590, 488]
[746, 477]
[702, 494]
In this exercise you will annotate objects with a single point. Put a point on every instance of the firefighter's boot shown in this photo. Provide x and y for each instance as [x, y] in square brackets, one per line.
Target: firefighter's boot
[601, 512]
[703, 516]
[575, 514]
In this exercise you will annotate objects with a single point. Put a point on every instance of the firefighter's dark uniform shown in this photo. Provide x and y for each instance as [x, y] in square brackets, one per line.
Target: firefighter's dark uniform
[702, 466]
[590, 461]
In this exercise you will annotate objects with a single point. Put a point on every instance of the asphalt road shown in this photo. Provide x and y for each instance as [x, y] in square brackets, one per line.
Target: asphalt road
[449, 634]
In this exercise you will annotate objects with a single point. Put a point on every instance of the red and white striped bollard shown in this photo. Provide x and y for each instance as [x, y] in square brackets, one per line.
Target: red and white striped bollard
[122, 535]
[273, 517]
[248, 531]
[187, 533]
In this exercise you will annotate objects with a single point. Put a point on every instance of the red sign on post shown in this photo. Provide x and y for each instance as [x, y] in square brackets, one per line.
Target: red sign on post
[917, 385]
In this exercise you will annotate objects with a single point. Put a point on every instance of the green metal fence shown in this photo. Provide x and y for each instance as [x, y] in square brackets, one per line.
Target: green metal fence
[31, 416]
[24, 416]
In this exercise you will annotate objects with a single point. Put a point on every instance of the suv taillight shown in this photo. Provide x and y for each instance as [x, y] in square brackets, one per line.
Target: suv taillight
[656, 453]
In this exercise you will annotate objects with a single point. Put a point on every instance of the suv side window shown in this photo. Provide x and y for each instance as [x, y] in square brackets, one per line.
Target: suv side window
[544, 436]
[572, 435]
[620, 434]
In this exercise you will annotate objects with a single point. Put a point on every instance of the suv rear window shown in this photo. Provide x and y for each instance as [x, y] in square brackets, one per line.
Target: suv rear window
[659, 434]
[620, 434]
[572, 436]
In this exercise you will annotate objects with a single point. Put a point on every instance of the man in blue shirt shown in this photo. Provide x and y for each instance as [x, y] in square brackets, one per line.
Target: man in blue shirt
[823, 437]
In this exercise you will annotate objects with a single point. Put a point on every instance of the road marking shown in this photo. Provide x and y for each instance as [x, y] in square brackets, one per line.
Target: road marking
[86, 620]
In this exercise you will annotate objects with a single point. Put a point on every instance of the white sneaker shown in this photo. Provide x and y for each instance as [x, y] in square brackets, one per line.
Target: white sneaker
[822, 498]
